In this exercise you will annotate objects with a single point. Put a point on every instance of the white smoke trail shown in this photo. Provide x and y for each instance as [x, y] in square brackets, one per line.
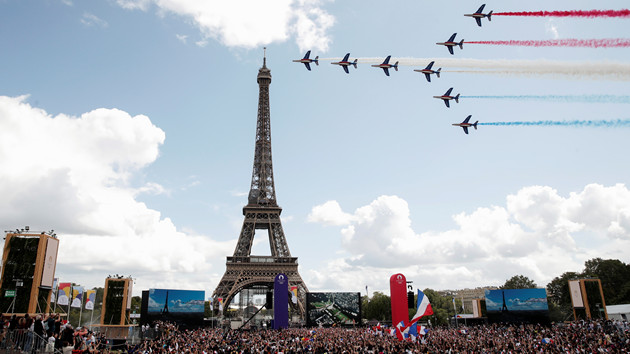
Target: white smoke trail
[598, 70]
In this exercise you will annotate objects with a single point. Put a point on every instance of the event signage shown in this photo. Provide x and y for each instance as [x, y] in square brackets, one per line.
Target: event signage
[398, 291]
[281, 301]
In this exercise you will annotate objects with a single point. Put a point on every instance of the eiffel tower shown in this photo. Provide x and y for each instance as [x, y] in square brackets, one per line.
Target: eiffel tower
[243, 270]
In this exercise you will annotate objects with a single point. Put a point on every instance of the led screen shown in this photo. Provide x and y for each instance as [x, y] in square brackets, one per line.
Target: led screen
[328, 309]
[517, 305]
[184, 307]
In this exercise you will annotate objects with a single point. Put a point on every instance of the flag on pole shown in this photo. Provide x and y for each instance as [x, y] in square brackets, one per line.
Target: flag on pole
[424, 307]
[53, 293]
[90, 297]
[64, 293]
[211, 301]
[220, 304]
[77, 296]
[294, 294]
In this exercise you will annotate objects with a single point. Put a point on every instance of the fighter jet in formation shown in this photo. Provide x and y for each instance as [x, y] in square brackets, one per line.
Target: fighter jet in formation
[451, 43]
[465, 124]
[306, 61]
[428, 71]
[478, 15]
[344, 63]
[386, 65]
[447, 97]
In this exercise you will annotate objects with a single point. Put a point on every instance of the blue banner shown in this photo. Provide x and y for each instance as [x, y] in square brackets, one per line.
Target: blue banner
[281, 301]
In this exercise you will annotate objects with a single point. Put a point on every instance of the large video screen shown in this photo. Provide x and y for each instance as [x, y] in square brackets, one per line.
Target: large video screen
[185, 307]
[328, 309]
[517, 305]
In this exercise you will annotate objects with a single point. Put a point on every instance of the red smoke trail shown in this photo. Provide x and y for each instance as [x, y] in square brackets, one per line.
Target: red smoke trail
[590, 43]
[573, 13]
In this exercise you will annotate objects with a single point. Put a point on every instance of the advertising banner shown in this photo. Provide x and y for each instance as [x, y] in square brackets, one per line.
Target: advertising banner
[281, 301]
[398, 292]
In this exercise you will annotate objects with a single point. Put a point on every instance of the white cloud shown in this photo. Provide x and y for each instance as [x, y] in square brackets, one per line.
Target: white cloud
[250, 23]
[89, 19]
[552, 28]
[329, 213]
[182, 37]
[73, 174]
[537, 234]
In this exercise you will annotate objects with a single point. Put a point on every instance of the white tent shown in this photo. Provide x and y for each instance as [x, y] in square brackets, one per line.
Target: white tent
[618, 312]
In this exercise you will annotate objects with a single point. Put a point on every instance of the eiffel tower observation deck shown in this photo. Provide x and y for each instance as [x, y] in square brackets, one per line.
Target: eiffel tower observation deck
[244, 270]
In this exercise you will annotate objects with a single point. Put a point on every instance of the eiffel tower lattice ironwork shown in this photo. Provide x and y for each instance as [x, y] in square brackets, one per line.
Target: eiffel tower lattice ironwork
[243, 270]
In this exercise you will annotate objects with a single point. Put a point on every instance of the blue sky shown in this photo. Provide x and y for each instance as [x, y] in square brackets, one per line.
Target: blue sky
[128, 127]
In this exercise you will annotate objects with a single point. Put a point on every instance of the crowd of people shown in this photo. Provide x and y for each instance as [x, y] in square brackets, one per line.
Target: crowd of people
[51, 334]
[47, 334]
[576, 337]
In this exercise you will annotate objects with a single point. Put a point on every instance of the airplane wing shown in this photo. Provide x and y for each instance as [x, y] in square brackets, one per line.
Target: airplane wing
[450, 49]
[446, 103]
[452, 37]
[467, 119]
[430, 65]
[481, 8]
[308, 66]
[478, 21]
[386, 70]
[428, 77]
[448, 92]
[386, 61]
[346, 57]
[345, 68]
[465, 130]
[307, 54]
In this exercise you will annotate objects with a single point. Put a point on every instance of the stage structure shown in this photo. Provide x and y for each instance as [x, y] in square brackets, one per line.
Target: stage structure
[28, 269]
[116, 301]
[244, 270]
[587, 298]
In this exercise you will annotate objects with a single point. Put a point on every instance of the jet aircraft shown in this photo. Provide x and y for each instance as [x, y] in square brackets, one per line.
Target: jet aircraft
[386, 65]
[465, 124]
[306, 61]
[344, 63]
[451, 43]
[428, 71]
[478, 15]
[447, 97]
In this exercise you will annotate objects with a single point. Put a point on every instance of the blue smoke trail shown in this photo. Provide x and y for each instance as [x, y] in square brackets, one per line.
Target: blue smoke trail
[563, 98]
[570, 123]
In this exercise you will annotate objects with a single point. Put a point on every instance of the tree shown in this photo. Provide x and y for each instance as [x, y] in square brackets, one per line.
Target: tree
[442, 307]
[377, 308]
[519, 282]
[614, 275]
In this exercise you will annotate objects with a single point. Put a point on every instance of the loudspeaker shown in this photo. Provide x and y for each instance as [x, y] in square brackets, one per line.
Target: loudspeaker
[411, 300]
[269, 300]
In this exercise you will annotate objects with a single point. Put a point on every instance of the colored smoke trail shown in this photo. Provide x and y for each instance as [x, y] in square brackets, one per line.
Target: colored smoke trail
[570, 42]
[561, 98]
[569, 123]
[578, 70]
[625, 13]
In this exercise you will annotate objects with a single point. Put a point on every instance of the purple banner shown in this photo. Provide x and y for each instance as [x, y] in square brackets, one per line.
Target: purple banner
[281, 301]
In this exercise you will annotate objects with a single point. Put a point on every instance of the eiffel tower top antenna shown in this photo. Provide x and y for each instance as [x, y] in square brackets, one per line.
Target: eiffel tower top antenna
[262, 192]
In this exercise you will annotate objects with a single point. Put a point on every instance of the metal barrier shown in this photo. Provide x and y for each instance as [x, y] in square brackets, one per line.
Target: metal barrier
[24, 341]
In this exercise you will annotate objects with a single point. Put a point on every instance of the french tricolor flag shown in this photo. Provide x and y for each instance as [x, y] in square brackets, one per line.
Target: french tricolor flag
[424, 307]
